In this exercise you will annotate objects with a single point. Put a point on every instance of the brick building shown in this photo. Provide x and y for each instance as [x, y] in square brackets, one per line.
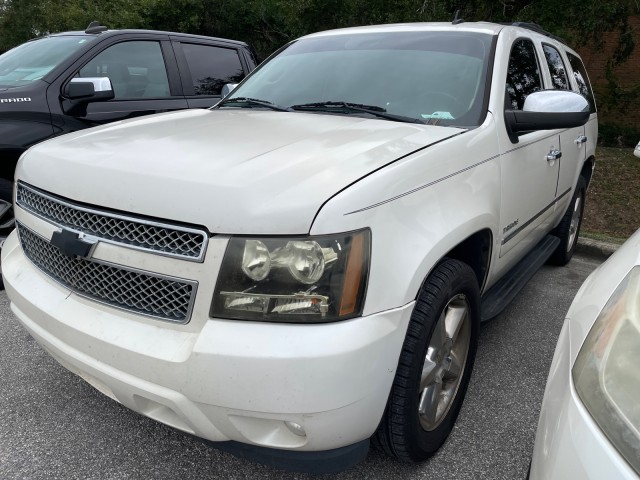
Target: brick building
[619, 108]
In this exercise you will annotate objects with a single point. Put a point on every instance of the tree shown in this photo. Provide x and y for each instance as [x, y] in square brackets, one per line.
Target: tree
[25, 19]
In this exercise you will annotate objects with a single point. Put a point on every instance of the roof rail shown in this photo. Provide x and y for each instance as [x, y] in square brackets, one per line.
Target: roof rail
[538, 29]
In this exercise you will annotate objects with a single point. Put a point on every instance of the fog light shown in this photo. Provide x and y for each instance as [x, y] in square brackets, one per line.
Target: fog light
[295, 428]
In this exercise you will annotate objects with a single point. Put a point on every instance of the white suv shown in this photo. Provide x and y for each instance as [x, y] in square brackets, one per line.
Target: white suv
[306, 266]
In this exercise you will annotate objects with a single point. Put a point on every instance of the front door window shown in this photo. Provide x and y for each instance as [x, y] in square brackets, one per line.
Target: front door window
[136, 70]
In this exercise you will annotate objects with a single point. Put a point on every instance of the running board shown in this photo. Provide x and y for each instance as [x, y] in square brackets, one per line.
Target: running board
[496, 299]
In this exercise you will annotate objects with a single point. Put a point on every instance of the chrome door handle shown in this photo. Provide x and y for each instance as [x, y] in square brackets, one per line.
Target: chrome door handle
[581, 139]
[553, 155]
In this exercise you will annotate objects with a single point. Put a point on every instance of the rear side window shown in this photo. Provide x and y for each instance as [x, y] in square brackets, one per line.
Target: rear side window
[580, 74]
[556, 68]
[136, 70]
[523, 74]
[212, 67]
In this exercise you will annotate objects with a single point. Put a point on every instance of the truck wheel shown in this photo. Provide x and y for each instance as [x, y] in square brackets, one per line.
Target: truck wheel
[435, 364]
[569, 228]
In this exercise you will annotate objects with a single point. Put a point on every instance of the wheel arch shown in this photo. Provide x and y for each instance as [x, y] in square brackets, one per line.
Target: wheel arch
[587, 169]
[475, 250]
[8, 160]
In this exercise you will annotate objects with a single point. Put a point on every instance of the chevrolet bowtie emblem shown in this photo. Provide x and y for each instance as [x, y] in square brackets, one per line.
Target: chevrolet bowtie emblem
[72, 244]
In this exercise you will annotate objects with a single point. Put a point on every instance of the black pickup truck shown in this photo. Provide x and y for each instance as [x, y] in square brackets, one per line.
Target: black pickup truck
[68, 81]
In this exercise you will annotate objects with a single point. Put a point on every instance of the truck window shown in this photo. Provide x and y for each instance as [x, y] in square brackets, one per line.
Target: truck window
[556, 68]
[580, 75]
[212, 67]
[136, 70]
[523, 74]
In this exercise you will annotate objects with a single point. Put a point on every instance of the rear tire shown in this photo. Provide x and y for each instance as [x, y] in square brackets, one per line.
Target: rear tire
[435, 364]
[568, 229]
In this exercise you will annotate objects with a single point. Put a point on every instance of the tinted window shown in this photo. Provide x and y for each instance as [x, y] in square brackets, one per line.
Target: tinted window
[523, 75]
[136, 70]
[580, 74]
[212, 67]
[435, 77]
[33, 60]
[556, 68]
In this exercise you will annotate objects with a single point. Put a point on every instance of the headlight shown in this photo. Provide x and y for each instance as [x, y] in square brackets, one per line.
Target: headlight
[297, 280]
[607, 370]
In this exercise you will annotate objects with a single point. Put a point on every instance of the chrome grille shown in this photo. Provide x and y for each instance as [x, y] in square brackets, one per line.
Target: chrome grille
[136, 291]
[137, 233]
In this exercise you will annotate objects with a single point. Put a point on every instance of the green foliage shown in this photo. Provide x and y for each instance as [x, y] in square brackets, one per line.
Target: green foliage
[615, 135]
[268, 24]
[21, 20]
[271, 23]
[581, 22]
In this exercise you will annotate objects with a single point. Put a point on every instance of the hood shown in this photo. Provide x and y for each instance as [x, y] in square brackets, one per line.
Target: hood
[232, 171]
[23, 90]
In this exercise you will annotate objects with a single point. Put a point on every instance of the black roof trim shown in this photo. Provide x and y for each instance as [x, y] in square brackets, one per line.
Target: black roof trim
[160, 32]
[538, 29]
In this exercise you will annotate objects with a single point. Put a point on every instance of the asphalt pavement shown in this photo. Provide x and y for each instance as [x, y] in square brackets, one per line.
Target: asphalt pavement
[55, 426]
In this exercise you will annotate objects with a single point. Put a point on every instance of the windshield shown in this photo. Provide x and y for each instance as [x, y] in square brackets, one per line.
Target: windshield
[33, 60]
[433, 77]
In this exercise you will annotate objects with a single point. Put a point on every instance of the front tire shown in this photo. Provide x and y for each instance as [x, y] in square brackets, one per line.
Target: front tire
[435, 364]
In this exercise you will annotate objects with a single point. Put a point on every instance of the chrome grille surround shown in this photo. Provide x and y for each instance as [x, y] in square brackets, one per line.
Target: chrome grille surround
[136, 291]
[160, 238]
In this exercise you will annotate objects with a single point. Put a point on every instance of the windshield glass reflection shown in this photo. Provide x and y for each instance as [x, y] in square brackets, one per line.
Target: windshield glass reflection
[435, 77]
[33, 60]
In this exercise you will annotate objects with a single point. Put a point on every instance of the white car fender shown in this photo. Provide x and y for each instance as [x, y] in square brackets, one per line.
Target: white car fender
[413, 199]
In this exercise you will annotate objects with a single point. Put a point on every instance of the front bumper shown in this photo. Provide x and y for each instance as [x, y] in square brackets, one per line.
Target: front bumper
[218, 379]
[569, 444]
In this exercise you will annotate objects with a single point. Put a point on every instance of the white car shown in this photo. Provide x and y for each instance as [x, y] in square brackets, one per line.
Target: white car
[306, 265]
[590, 419]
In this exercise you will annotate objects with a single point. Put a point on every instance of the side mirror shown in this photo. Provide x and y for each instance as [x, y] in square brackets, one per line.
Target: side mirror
[548, 110]
[90, 89]
[227, 88]
[636, 152]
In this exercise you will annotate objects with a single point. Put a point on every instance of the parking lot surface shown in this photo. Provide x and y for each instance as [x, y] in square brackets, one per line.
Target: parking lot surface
[55, 426]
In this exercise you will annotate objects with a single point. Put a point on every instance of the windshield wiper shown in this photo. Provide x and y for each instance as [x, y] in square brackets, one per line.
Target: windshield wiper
[340, 107]
[247, 101]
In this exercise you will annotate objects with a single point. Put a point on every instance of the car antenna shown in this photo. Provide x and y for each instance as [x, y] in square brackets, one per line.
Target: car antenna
[457, 19]
[95, 27]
